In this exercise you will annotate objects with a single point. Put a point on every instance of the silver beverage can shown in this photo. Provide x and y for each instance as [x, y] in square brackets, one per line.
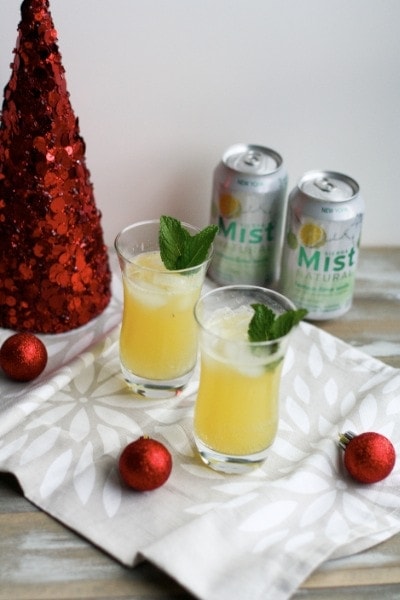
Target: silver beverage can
[321, 244]
[248, 205]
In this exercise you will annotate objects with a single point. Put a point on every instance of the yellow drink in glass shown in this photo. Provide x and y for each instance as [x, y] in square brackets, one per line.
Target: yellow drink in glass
[237, 406]
[158, 341]
[159, 334]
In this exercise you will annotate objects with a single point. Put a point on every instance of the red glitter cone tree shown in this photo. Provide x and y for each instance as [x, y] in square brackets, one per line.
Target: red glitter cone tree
[54, 272]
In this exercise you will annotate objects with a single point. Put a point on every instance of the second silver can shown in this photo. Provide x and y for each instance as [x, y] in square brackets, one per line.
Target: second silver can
[321, 247]
[248, 205]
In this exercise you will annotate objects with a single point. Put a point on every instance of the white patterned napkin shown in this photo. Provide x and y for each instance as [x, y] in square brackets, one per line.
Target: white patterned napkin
[223, 537]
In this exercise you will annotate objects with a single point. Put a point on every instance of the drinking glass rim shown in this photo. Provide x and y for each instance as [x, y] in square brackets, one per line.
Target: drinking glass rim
[130, 259]
[239, 287]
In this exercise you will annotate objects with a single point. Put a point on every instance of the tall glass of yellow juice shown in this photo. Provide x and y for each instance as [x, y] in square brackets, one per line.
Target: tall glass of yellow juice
[158, 340]
[237, 406]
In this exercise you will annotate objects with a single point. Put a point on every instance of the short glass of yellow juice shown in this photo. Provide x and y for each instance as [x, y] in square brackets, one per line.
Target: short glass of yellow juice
[237, 406]
[158, 339]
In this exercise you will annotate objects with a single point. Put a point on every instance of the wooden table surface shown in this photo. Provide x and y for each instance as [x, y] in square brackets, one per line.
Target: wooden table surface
[41, 559]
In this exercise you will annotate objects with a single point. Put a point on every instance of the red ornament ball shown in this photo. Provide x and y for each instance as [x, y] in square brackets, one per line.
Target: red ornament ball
[145, 464]
[368, 457]
[23, 356]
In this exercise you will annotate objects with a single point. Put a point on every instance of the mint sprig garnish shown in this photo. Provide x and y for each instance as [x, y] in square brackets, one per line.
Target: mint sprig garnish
[265, 325]
[179, 249]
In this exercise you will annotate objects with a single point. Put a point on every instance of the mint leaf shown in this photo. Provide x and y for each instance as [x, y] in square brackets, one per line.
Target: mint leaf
[265, 325]
[179, 249]
[260, 323]
[197, 246]
[286, 321]
[171, 241]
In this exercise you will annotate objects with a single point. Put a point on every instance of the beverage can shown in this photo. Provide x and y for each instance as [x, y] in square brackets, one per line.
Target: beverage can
[321, 243]
[248, 205]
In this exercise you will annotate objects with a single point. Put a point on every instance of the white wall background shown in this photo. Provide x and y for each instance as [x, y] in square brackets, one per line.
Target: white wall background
[162, 87]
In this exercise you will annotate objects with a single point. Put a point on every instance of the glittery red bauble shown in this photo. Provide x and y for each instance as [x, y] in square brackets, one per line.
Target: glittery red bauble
[54, 272]
[368, 457]
[145, 464]
[23, 357]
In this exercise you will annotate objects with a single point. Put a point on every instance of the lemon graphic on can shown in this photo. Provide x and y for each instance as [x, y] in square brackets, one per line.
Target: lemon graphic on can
[229, 206]
[312, 235]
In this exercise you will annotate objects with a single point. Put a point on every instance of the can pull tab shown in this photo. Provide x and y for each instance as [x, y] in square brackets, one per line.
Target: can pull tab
[252, 158]
[324, 184]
